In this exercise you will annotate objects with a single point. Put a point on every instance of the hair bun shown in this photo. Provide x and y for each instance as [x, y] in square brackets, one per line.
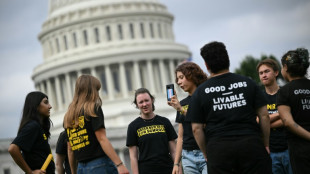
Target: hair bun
[303, 55]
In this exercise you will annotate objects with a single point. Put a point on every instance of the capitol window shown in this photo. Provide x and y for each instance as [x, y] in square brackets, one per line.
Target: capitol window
[65, 42]
[51, 47]
[132, 34]
[57, 45]
[120, 32]
[108, 32]
[159, 31]
[97, 35]
[85, 37]
[74, 40]
[116, 81]
[142, 30]
[152, 30]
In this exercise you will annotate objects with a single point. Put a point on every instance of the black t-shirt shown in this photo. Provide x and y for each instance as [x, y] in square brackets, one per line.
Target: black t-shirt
[152, 139]
[34, 146]
[61, 148]
[227, 105]
[278, 141]
[189, 142]
[296, 94]
[83, 140]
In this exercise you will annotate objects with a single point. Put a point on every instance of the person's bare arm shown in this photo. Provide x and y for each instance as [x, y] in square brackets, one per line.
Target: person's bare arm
[287, 118]
[172, 147]
[264, 122]
[200, 137]
[60, 158]
[133, 153]
[276, 124]
[71, 159]
[274, 117]
[109, 150]
[178, 152]
[14, 151]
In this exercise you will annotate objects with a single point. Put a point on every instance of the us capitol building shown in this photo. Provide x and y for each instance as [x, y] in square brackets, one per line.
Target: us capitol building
[126, 44]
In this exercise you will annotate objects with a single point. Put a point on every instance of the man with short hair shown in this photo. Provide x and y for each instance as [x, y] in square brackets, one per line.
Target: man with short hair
[268, 71]
[227, 103]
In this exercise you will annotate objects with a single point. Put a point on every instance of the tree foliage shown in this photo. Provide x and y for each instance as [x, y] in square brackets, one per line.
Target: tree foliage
[248, 67]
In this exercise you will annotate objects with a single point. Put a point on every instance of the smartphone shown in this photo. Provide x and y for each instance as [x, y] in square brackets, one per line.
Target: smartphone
[170, 91]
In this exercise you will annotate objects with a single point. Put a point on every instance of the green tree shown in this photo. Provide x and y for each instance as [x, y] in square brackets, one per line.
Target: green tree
[248, 67]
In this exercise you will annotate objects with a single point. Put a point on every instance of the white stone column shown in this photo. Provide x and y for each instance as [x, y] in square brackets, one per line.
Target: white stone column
[101, 29]
[70, 40]
[137, 30]
[114, 32]
[91, 35]
[147, 30]
[44, 46]
[79, 73]
[171, 68]
[137, 81]
[163, 74]
[42, 89]
[150, 76]
[50, 92]
[37, 87]
[62, 42]
[164, 30]
[69, 89]
[109, 82]
[126, 30]
[171, 36]
[58, 93]
[54, 45]
[94, 73]
[155, 30]
[80, 37]
[123, 80]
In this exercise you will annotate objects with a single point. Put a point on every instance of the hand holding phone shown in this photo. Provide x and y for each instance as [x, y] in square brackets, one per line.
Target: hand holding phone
[170, 91]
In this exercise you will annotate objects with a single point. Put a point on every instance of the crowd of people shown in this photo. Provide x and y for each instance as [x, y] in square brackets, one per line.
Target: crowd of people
[226, 125]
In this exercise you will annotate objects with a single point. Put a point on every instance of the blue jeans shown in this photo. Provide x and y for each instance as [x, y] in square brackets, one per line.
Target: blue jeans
[281, 162]
[102, 165]
[193, 162]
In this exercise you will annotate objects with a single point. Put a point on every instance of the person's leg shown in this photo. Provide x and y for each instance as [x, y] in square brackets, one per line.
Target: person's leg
[299, 151]
[253, 157]
[286, 162]
[102, 165]
[220, 156]
[201, 162]
[189, 162]
[80, 168]
[277, 167]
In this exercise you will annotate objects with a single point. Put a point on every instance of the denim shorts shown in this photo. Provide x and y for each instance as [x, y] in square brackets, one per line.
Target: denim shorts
[102, 165]
[193, 162]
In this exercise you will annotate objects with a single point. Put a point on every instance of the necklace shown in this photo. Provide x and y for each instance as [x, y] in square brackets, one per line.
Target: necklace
[148, 120]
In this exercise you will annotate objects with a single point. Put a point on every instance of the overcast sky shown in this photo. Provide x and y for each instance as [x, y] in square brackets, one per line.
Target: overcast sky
[246, 27]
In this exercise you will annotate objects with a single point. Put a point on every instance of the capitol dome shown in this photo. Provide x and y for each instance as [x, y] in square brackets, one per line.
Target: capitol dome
[126, 44]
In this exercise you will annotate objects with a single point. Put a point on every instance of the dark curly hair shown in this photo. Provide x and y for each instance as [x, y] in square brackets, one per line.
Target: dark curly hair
[297, 62]
[192, 72]
[216, 56]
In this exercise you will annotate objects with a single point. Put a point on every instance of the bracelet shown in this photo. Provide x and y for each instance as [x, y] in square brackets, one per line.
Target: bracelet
[177, 164]
[182, 111]
[119, 164]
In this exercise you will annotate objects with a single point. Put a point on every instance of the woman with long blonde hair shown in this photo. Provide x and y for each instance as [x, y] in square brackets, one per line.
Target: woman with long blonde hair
[84, 124]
